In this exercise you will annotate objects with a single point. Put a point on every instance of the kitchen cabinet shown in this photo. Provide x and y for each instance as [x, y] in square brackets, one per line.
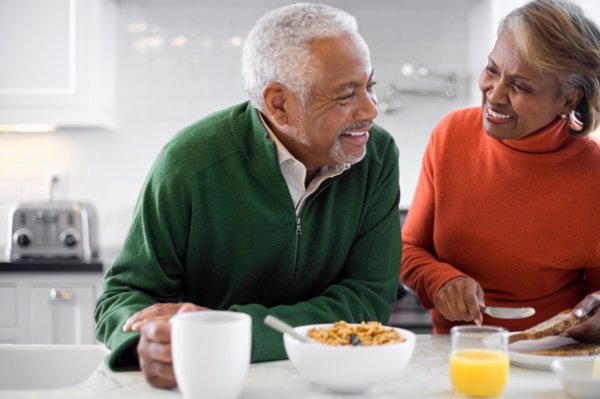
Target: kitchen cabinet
[48, 308]
[9, 326]
[57, 62]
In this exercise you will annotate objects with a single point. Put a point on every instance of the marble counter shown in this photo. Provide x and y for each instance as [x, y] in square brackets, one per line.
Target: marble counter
[425, 377]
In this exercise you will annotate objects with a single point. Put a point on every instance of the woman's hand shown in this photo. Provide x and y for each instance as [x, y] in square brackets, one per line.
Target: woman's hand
[459, 300]
[589, 330]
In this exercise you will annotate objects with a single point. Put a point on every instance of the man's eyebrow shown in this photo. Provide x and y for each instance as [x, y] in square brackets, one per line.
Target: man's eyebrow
[353, 84]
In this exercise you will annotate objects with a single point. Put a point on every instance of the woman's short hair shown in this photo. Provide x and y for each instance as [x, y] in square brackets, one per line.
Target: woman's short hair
[556, 37]
[278, 47]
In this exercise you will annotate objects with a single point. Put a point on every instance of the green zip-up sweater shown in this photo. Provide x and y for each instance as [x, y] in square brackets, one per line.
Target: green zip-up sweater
[215, 225]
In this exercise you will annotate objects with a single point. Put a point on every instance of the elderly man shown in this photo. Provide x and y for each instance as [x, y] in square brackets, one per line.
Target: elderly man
[284, 205]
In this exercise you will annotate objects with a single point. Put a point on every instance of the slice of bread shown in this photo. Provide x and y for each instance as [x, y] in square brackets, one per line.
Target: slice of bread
[553, 326]
[578, 349]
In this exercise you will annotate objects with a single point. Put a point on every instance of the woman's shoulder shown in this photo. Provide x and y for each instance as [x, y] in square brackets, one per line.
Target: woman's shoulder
[460, 125]
[470, 117]
[591, 151]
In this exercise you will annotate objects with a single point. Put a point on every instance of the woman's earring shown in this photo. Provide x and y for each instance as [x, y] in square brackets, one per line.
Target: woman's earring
[575, 122]
[563, 115]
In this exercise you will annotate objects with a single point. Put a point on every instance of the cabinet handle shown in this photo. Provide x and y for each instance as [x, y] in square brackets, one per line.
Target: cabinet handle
[61, 294]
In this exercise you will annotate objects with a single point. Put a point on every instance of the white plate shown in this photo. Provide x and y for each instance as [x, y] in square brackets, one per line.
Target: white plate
[520, 356]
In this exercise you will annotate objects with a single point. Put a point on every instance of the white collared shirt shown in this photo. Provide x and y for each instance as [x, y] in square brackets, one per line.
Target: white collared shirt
[294, 172]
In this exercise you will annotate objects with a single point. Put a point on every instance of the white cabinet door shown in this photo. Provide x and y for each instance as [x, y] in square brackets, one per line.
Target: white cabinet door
[57, 62]
[62, 313]
[8, 312]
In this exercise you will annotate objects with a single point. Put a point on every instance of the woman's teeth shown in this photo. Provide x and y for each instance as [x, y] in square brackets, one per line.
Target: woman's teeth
[497, 115]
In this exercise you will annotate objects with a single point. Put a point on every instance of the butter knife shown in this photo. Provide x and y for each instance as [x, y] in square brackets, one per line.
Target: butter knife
[507, 313]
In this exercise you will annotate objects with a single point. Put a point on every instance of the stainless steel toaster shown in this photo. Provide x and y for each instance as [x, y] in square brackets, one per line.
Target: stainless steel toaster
[52, 230]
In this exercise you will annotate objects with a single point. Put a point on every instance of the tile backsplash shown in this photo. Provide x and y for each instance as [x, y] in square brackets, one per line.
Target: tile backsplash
[178, 61]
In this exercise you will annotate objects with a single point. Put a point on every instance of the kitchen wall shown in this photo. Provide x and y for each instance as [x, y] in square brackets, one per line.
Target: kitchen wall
[178, 61]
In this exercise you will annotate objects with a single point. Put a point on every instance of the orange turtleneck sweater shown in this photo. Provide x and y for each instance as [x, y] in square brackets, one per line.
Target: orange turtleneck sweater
[521, 217]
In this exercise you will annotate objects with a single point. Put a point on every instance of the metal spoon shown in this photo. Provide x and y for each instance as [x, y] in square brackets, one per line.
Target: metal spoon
[283, 327]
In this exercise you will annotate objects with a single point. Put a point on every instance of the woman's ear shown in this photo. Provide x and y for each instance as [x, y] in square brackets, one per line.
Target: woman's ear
[275, 101]
[572, 99]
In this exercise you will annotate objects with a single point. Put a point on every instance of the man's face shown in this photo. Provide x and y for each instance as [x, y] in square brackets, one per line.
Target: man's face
[333, 126]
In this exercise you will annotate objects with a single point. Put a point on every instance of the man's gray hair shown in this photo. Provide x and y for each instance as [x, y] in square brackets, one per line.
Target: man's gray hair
[278, 47]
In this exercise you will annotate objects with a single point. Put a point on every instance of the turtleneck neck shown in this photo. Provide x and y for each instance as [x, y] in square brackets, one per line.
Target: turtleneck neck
[546, 140]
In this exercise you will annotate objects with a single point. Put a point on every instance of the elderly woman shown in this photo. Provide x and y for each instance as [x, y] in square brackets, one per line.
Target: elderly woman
[507, 208]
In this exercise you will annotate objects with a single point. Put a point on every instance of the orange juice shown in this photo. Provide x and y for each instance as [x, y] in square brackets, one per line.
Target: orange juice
[479, 372]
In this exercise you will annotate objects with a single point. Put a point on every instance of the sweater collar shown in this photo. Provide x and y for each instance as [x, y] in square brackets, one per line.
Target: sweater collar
[546, 140]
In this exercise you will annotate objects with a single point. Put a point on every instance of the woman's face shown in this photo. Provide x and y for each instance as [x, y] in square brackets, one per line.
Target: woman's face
[518, 99]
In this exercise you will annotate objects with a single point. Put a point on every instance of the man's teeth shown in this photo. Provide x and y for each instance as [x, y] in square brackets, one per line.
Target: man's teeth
[356, 133]
[497, 115]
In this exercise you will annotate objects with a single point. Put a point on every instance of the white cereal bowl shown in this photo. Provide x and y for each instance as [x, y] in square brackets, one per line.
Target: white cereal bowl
[576, 376]
[42, 367]
[348, 369]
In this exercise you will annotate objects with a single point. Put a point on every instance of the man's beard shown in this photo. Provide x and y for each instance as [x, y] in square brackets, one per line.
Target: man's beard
[336, 152]
[340, 157]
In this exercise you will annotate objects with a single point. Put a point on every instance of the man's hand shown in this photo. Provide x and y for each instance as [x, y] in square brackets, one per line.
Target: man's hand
[589, 330]
[154, 352]
[154, 348]
[157, 311]
[459, 299]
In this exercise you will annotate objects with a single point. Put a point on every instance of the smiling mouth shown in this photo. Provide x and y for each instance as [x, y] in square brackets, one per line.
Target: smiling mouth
[495, 116]
[356, 134]
[358, 137]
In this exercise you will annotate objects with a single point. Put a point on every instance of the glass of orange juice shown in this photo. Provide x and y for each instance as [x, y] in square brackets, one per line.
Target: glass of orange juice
[479, 362]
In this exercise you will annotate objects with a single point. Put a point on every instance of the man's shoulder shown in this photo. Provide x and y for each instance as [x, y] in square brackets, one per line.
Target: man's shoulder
[212, 134]
[380, 132]
[380, 144]
[207, 141]
[213, 127]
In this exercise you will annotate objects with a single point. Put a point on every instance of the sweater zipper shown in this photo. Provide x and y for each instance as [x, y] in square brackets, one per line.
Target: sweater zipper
[299, 225]
[298, 233]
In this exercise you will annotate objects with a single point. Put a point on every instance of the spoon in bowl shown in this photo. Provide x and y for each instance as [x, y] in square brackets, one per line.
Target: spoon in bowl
[283, 327]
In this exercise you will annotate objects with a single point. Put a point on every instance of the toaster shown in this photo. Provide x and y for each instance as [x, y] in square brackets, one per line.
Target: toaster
[52, 230]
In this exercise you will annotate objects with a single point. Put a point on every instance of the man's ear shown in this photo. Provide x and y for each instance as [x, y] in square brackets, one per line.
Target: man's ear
[275, 96]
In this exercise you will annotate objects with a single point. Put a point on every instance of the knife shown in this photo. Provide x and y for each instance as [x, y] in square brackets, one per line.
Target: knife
[507, 313]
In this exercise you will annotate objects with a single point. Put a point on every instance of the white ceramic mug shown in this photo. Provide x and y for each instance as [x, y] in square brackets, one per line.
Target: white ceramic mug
[211, 353]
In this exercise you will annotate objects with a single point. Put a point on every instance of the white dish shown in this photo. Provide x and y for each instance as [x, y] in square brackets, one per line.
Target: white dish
[37, 367]
[520, 356]
[577, 377]
[349, 369]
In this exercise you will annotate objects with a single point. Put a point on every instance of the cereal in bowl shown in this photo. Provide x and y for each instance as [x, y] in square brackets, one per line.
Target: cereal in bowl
[342, 333]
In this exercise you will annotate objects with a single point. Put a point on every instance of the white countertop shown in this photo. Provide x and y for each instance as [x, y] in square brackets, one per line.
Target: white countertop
[426, 376]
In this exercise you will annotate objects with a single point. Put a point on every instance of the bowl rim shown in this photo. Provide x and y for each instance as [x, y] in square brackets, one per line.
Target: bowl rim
[10, 347]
